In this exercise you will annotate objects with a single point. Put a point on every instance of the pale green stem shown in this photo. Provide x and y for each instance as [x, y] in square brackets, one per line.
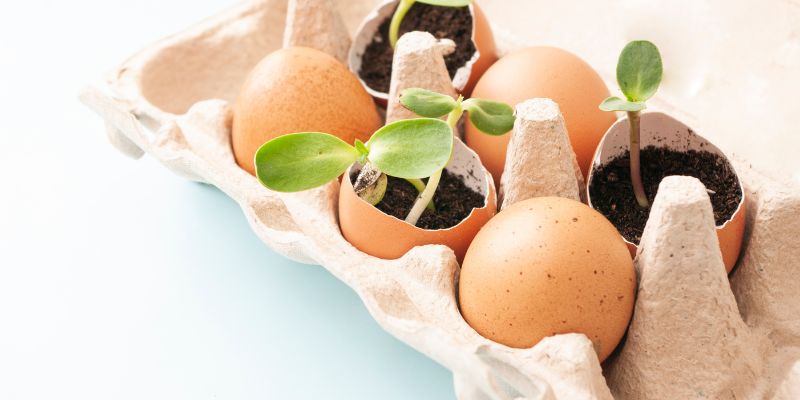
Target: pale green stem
[424, 198]
[455, 115]
[420, 186]
[397, 18]
[636, 170]
[433, 182]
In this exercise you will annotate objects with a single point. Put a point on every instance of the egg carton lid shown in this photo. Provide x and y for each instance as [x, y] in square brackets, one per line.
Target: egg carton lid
[171, 101]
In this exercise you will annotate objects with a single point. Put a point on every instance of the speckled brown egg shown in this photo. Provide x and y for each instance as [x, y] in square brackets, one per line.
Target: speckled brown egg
[298, 89]
[546, 266]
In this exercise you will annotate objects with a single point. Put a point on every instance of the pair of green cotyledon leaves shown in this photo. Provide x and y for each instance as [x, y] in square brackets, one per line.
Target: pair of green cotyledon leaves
[408, 149]
[639, 72]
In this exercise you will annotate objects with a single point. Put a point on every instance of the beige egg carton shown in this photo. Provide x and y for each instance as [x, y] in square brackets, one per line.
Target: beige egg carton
[693, 334]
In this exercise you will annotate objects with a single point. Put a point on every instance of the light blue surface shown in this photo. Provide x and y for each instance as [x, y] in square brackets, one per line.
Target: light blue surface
[288, 330]
[119, 280]
[157, 288]
[305, 334]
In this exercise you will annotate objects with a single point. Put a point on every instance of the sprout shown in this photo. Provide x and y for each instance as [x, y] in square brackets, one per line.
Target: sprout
[409, 149]
[405, 5]
[491, 117]
[639, 72]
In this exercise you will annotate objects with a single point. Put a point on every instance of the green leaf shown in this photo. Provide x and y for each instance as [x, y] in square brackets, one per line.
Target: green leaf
[490, 117]
[639, 70]
[614, 103]
[426, 103]
[446, 3]
[301, 161]
[411, 148]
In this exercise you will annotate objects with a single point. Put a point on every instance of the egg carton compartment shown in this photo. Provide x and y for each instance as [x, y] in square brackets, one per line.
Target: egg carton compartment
[171, 101]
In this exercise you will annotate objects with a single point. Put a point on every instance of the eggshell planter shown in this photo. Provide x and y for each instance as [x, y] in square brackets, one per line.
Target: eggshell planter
[173, 100]
[384, 236]
[662, 131]
[466, 76]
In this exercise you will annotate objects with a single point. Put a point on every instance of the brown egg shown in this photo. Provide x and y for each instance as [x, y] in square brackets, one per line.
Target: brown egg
[299, 89]
[544, 72]
[484, 43]
[547, 266]
[384, 236]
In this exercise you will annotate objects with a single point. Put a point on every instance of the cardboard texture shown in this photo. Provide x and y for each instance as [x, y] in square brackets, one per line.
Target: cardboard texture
[540, 161]
[316, 24]
[171, 101]
[686, 338]
[418, 63]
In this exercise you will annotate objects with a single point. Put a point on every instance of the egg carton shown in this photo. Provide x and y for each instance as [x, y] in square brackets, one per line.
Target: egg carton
[693, 334]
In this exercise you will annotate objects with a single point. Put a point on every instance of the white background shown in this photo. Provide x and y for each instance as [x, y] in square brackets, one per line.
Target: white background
[119, 280]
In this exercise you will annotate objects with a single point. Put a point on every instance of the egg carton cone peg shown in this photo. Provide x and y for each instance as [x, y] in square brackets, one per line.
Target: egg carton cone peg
[686, 339]
[765, 281]
[540, 160]
[316, 24]
[418, 62]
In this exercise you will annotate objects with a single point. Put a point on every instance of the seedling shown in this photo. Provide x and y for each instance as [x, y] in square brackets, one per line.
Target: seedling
[409, 149]
[491, 117]
[405, 5]
[639, 73]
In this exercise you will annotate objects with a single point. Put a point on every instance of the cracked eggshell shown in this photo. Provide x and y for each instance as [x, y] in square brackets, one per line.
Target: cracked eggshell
[547, 72]
[547, 266]
[384, 236]
[299, 89]
[466, 76]
[661, 130]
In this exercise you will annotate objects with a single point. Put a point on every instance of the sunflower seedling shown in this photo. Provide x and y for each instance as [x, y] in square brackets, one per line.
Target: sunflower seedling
[639, 71]
[405, 5]
[409, 149]
[491, 117]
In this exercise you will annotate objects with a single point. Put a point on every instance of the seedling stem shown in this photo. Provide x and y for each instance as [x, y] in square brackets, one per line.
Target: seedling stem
[397, 18]
[488, 116]
[426, 196]
[405, 5]
[636, 172]
[639, 71]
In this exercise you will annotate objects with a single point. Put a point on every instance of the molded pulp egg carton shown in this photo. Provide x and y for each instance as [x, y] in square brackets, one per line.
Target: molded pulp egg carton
[171, 101]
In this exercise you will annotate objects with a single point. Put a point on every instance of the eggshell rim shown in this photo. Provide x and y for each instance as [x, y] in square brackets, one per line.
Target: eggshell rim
[707, 146]
[375, 17]
[388, 238]
[488, 183]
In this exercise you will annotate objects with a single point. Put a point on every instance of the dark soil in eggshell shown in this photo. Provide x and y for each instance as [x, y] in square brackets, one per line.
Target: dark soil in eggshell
[612, 193]
[454, 23]
[453, 199]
